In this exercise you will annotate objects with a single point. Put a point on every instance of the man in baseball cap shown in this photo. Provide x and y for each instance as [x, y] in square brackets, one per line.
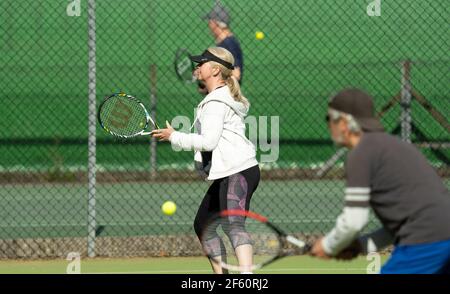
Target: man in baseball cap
[219, 14]
[394, 179]
[357, 106]
[219, 24]
[360, 105]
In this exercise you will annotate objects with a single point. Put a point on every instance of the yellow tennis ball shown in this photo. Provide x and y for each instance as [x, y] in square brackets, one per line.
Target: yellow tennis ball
[169, 207]
[259, 35]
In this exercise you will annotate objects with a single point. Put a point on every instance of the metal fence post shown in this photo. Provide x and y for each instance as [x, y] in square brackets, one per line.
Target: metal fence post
[406, 103]
[92, 126]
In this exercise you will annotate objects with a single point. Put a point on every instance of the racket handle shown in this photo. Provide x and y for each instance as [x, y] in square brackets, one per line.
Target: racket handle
[296, 241]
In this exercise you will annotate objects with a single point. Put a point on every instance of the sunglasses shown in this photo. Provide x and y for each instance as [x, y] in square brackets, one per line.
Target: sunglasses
[200, 64]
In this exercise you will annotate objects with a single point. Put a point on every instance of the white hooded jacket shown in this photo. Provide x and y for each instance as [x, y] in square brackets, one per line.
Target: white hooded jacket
[220, 128]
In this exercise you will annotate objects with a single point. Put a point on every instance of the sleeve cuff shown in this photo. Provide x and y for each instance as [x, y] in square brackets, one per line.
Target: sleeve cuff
[174, 139]
[326, 246]
[174, 136]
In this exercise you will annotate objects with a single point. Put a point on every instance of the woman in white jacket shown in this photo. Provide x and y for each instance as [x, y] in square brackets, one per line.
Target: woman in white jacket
[221, 138]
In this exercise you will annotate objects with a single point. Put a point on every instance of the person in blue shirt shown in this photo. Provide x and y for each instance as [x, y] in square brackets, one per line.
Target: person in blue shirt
[219, 24]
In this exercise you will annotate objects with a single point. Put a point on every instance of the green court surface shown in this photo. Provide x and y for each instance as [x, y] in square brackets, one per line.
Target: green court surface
[133, 209]
[186, 265]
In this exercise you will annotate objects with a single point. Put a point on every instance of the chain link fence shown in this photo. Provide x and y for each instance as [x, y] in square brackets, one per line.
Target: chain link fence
[65, 185]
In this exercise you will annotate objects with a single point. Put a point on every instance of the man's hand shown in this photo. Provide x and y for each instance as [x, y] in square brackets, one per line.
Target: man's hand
[318, 251]
[352, 251]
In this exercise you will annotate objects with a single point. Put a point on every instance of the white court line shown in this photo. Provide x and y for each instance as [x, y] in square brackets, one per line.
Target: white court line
[315, 269]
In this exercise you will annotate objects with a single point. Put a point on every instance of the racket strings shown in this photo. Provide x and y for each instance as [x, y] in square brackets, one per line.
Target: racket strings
[184, 66]
[123, 116]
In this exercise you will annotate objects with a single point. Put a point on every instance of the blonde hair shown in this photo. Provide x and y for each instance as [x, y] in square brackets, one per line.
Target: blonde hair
[227, 74]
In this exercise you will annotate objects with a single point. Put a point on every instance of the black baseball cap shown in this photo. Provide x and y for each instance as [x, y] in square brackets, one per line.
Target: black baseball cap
[360, 105]
[208, 56]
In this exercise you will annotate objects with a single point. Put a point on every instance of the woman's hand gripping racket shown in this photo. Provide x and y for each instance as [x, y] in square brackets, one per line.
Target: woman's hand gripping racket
[125, 116]
[244, 241]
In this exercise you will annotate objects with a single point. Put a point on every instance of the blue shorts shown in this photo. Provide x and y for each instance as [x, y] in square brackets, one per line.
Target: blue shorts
[431, 258]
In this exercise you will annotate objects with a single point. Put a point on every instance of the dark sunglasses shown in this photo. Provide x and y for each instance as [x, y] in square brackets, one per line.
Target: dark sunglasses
[200, 64]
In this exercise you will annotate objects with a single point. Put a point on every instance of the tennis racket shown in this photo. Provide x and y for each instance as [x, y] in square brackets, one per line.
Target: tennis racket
[184, 67]
[244, 241]
[124, 116]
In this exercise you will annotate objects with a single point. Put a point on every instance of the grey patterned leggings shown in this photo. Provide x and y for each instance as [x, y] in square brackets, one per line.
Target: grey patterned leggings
[232, 192]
